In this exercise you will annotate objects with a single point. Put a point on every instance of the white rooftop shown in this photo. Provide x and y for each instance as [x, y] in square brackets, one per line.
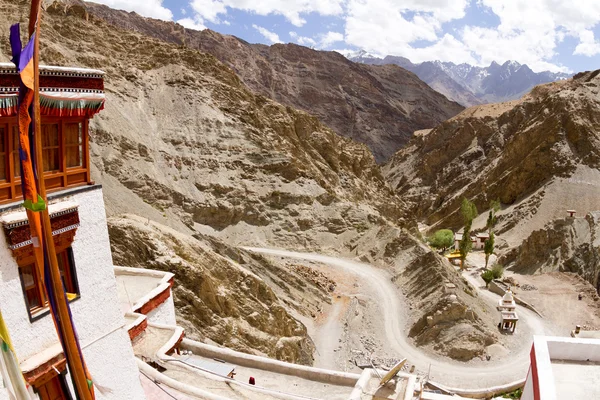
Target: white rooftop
[576, 379]
[54, 68]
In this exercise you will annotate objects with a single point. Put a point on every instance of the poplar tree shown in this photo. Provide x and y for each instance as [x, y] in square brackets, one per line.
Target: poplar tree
[469, 213]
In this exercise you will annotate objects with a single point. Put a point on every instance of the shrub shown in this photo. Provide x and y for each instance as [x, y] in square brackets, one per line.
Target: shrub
[441, 239]
[497, 271]
[487, 276]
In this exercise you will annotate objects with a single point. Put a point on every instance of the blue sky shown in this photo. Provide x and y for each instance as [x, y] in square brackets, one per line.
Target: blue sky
[554, 35]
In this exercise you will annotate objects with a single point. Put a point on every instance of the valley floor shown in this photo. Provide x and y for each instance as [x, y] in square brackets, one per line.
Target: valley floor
[383, 330]
[368, 321]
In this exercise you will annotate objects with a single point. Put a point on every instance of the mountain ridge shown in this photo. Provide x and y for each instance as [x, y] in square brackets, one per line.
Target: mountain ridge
[380, 106]
[470, 85]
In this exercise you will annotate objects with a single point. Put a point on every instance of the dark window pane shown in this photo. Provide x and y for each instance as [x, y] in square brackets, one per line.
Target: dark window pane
[3, 150]
[72, 134]
[30, 283]
[67, 272]
[51, 161]
[73, 154]
[16, 158]
[2, 166]
[50, 151]
[74, 148]
[49, 135]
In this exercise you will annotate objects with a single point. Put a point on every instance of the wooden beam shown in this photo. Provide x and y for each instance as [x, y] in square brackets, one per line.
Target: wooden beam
[70, 347]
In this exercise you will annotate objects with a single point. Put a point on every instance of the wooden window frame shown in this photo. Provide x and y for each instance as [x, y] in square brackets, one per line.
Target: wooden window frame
[10, 189]
[39, 312]
[53, 375]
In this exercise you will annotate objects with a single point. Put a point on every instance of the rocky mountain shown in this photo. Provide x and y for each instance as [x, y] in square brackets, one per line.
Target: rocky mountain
[204, 164]
[470, 85]
[538, 155]
[564, 244]
[380, 106]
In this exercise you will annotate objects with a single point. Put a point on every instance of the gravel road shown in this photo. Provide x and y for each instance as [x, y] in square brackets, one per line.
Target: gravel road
[450, 373]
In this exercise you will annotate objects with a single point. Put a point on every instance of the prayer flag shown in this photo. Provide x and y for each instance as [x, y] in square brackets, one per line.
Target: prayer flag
[9, 367]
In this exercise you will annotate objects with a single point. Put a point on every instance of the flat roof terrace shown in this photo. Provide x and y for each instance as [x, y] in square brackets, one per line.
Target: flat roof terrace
[576, 379]
[137, 287]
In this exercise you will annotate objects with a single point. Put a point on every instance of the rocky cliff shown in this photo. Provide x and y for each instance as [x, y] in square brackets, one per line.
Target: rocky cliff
[565, 245]
[378, 106]
[539, 156]
[219, 299]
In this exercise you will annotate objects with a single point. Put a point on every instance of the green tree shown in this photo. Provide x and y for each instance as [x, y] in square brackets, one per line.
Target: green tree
[487, 276]
[469, 213]
[488, 248]
[497, 271]
[442, 239]
[492, 219]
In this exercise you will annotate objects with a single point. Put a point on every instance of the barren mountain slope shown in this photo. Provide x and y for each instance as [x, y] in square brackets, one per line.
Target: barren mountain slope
[539, 155]
[503, 151]
[378, 106]
[185, 143]
[220, 299]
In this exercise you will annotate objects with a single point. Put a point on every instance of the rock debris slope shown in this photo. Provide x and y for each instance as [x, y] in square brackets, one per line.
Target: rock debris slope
[539, 156]
[217, 298]
[183, 142]
[380, 106]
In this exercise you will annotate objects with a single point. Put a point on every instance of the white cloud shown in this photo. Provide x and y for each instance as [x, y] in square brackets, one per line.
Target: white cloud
[303, 40]
[329, 38]
[270, 36]
[292, 10]
[587, 46]
[190, 23]
[183, 11]
[382, 27]
[147, 8]
[529, 30]
[208, 10]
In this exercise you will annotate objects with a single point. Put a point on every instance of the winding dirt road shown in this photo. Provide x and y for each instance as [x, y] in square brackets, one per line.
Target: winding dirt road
[452, 374]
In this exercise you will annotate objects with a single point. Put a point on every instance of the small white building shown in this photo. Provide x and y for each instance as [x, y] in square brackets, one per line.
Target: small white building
[507, 302]
[78, 221]
[458, 237]
[563, 368]
[480, 240]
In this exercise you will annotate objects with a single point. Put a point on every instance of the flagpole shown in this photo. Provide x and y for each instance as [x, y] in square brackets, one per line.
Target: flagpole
[75, 361]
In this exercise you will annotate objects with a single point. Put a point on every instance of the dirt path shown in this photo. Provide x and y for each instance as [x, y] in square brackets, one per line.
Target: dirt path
[329, 334]
[395, 322]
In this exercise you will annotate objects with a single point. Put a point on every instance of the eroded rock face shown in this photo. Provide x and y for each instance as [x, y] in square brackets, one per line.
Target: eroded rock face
[449, 310]
[216, 298]
[565, 245]
[503, 151]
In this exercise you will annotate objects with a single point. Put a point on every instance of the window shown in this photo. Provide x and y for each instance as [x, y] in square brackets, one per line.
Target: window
[54, 389]
[3, 153]
[32, 283]
[73, 145]
[65, 147]
[16, 157]
[50, 147]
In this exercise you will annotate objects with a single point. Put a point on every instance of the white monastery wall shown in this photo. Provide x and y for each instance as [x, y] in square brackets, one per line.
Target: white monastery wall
[164, 313]
[96, 314]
